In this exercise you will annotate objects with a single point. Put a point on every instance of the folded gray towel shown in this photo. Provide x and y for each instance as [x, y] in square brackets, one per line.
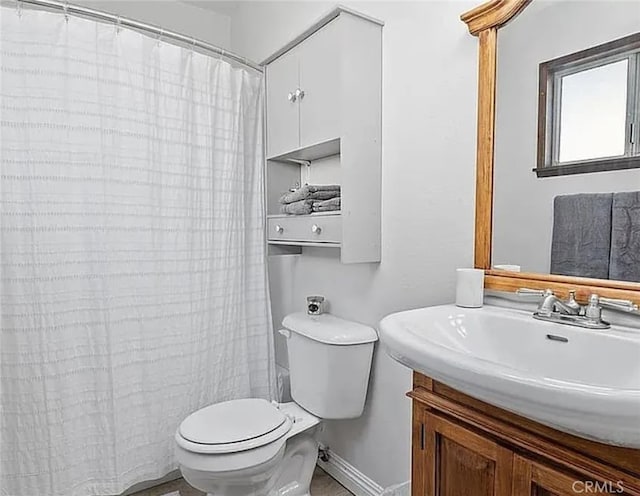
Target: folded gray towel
[327, 205]
[581, 238]
[625, 237]
[302, 207]
[312, 192]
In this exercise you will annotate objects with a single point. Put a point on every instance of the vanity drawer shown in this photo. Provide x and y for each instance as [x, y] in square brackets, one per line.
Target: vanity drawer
[306, 228]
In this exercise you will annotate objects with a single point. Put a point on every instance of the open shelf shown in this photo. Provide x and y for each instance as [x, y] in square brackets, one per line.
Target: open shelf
[310, 153]
[305, 243]
[314, 214]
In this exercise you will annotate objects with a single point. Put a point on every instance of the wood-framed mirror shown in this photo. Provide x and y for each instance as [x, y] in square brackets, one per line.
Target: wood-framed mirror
[485, 22]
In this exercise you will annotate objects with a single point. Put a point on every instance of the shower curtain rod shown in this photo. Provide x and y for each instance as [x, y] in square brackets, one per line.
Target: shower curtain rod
[68, 8]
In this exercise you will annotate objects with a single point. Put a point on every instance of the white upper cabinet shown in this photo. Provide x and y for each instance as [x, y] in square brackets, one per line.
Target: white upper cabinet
[283, 129]
[324, 126]
[320, 82]
[303, 92]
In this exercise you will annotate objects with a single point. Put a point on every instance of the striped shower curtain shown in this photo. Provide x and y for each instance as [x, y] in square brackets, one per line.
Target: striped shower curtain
[133, 279]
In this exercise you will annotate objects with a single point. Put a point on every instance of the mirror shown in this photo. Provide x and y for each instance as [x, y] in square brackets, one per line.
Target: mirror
[566, 198]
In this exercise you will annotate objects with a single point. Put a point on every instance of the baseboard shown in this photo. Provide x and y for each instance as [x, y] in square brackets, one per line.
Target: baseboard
[350, 477]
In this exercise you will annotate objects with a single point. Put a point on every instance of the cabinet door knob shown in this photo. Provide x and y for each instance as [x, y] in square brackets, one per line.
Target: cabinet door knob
[299, 94]
[292, 97]
[316, 229]
[279, 229]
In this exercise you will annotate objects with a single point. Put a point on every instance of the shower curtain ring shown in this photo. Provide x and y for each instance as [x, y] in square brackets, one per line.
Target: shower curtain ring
[19, 8]
[65, 8]
[118, 24]
[193, 44]
[160, 35]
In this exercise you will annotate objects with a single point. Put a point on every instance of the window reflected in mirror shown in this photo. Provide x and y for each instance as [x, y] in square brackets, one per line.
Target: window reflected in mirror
[593, 111]
[589, 107]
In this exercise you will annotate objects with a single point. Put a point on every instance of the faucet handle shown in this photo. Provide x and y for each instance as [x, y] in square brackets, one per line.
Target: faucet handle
[624, 305]
[593, 310]
[534, 292]
[572, 302]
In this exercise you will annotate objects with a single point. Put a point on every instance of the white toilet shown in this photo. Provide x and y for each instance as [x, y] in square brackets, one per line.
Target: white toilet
[250, 447]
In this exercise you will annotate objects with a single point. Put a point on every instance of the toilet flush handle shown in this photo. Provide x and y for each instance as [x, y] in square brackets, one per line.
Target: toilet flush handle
[285, 332]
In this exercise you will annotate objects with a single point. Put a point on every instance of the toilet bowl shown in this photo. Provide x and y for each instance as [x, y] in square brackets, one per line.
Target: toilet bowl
[222, 451]
[251, 447]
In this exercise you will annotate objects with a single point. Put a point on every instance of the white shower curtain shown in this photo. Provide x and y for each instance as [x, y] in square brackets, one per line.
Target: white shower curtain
[133, 260]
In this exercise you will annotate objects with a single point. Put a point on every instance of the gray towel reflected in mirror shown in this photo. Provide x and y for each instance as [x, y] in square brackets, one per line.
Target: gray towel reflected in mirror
[581, 241]
[624, 263]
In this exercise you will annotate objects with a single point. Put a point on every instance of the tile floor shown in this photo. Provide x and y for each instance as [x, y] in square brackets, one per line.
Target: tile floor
[322, 485]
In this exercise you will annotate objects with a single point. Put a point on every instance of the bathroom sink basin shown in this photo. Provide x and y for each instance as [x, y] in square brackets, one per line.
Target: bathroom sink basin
[583, 382]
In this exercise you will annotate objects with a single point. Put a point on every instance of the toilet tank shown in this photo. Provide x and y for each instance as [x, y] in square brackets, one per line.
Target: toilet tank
[329, 363]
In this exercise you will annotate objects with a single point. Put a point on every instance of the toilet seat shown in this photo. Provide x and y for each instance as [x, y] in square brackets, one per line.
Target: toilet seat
[233, 426]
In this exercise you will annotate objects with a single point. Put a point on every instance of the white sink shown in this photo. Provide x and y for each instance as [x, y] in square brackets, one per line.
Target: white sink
[588, 386]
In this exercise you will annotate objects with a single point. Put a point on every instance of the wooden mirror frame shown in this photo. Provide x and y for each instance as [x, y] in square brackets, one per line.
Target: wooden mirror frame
[484, 22]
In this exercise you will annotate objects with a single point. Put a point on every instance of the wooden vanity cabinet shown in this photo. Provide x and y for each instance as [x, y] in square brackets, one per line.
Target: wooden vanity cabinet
[459, 459]
[536, 479]
[464, 447]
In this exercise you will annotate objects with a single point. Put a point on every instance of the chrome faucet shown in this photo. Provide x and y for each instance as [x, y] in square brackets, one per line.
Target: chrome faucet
[552, 304]
[570, 312]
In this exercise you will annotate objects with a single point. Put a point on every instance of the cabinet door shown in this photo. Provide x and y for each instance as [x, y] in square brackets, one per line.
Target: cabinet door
[460, 462]
[320, 81]
[534, 479]
[283, 133]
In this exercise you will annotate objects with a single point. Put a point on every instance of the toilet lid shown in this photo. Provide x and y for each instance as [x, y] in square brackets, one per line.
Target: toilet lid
[232, 422]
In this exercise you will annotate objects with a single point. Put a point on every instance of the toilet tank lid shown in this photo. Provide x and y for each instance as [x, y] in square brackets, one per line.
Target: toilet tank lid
[329, 329]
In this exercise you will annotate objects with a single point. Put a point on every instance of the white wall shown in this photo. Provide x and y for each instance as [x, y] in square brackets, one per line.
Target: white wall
[203, 24]
[429, 114]
[523, 204]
